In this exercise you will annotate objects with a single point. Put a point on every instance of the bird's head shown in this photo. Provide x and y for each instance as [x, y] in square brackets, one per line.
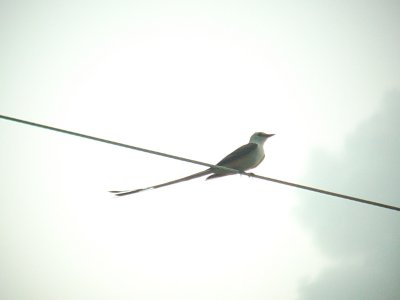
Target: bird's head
[260, 137]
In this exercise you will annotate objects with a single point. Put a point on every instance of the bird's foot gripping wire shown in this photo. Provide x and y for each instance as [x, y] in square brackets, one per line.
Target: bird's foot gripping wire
[247, 174]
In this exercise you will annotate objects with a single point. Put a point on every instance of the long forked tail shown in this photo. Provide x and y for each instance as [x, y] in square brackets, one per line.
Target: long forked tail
[193, 176]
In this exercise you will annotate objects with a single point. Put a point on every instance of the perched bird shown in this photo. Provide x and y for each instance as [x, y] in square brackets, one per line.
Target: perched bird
[242, 159]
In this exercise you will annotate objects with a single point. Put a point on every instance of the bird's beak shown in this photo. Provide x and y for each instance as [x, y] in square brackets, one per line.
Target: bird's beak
[269, 135]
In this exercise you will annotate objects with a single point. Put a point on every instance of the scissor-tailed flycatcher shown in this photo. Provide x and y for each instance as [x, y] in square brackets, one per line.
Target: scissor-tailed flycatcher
[242, 159]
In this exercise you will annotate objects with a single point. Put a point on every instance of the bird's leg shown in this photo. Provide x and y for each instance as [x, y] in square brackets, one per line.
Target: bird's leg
[247, 174]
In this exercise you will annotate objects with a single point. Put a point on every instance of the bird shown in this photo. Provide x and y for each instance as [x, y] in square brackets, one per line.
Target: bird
[242, 159]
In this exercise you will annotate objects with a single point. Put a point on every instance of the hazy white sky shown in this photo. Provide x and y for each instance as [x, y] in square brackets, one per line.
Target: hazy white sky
[196, 79]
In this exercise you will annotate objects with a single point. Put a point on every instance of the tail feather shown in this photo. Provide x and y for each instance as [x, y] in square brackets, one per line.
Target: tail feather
[124, 193]
[217, 176]
[193, 176]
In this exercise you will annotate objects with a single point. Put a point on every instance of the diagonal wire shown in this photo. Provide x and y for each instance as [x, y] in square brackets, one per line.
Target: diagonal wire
[203, 164]
[313, 189]
[120, 144]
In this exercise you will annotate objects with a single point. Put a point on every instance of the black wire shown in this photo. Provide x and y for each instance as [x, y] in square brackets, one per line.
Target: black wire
[204, 164]
[309, 188]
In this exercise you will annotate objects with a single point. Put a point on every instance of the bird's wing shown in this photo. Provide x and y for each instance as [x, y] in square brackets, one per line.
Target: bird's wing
[238, 153]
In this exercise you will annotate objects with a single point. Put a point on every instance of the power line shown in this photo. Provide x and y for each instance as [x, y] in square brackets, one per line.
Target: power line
[309, 188]
[119, 144]
[203, 164]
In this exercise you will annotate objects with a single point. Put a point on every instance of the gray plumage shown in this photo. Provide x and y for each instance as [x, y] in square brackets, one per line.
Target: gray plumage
[242, 159]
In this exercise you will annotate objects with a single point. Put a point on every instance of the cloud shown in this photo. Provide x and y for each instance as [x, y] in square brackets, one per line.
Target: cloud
[363, 241]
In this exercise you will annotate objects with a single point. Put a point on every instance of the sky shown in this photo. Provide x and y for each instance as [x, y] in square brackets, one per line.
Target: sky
[196, 79]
